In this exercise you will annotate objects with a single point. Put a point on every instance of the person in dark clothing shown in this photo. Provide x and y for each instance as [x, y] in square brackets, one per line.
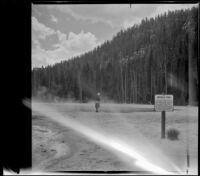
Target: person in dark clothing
[97, 103]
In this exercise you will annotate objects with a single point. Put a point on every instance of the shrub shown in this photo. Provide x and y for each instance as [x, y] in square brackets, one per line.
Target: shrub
[173, 134]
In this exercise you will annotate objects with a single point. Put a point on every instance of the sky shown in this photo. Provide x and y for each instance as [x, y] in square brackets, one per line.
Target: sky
[60, 32]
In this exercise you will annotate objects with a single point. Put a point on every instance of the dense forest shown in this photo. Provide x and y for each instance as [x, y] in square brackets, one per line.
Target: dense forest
[159, 55]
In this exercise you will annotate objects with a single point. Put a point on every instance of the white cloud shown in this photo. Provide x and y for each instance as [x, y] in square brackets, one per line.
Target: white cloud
[112, 14]
[66, 48]
[117, 15]
[82, 12]
[78, 42]
[39, 30]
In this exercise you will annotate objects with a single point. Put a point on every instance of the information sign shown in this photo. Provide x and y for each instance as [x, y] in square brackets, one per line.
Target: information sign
[164, 103]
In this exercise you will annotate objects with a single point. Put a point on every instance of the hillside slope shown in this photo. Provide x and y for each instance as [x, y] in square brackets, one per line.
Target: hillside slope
[159, 55]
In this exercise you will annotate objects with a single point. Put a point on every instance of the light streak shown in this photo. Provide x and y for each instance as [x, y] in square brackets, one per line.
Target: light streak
[105, 140]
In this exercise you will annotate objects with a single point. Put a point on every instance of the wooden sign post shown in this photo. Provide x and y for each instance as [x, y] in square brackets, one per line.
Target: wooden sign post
[163, 125]
[162, 104]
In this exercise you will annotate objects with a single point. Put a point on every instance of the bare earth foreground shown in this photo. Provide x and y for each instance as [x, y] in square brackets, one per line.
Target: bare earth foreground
[59, 148]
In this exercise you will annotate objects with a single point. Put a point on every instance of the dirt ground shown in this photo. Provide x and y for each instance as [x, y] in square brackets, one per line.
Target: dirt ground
[58, 148]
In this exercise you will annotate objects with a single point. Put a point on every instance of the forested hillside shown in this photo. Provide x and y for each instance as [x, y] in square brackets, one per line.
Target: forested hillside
[160, 55]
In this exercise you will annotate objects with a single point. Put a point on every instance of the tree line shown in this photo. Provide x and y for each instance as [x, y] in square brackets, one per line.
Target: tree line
[159, 55]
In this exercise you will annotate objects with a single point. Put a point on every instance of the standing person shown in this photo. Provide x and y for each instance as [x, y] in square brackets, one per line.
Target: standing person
[97, 103]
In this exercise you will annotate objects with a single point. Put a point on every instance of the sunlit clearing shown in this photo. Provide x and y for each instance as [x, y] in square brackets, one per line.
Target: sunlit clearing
[142, 144]
[112, 143]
